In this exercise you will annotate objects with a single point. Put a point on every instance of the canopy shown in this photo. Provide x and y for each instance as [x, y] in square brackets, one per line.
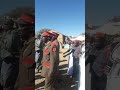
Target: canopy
[81, 38]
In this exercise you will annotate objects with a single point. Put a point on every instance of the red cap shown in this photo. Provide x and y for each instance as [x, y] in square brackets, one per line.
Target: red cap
[27, 19]
[76, 40]
[100, 35]
[47, 34]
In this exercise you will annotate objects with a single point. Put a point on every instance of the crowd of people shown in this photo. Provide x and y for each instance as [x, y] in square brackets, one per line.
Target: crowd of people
[17, 53]
[19, 57]
[48, 58]
[103, 59]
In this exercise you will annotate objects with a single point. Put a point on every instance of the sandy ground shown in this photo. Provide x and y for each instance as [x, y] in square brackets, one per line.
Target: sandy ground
[65, 82]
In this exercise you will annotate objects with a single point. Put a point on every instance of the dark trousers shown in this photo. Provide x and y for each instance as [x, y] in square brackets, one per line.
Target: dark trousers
[76, 68]
[9, 73]
[98, 83]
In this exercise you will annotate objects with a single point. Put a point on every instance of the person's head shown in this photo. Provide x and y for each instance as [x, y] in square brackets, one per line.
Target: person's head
[46, 36]
[72, 42]
[54, 35]
[76, 43]
[26, 25]
[100, 40]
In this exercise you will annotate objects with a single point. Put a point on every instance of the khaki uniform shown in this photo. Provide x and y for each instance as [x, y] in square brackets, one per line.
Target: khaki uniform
[50, 65]
[58, 46]
[56, 42]
[26, 77]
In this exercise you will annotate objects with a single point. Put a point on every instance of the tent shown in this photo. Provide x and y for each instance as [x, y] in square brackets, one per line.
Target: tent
[81, 38]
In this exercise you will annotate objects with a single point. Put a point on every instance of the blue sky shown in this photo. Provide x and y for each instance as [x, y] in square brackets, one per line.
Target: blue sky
[65, 16]
[8, 5]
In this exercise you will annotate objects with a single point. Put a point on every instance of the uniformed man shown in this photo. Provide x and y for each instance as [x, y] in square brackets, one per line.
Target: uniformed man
[49, 62]
[26, 78]
[10, 55]
[96, 57]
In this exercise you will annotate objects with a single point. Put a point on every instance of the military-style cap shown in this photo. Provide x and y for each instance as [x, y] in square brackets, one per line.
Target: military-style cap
[46, 34]
[76, 41]
[26, 19]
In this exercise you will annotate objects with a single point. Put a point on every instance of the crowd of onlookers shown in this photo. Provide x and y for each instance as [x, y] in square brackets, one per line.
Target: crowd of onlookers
[74, 52]
[102, 55]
